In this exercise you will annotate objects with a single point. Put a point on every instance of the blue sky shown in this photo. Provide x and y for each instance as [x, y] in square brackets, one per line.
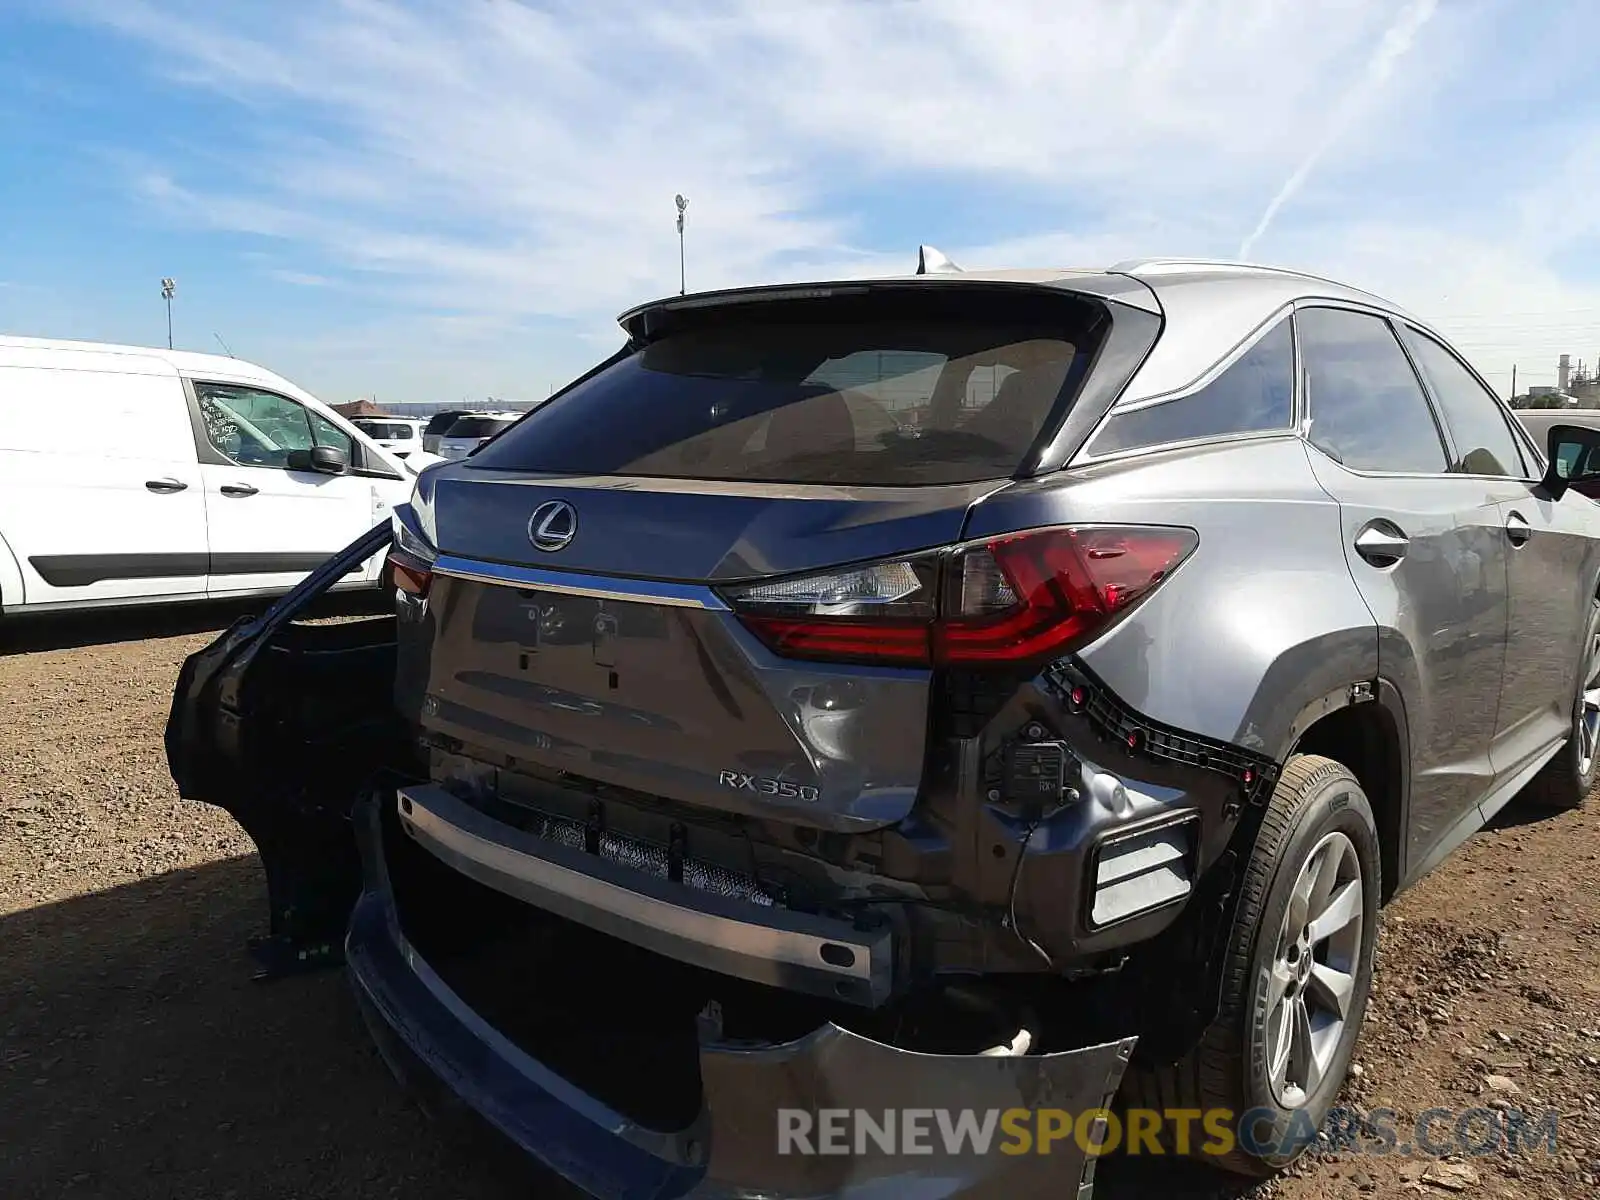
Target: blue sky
[431, 201]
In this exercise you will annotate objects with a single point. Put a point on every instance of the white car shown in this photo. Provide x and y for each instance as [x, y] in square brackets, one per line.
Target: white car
[400, 436]
[132, 475]
[471, 430]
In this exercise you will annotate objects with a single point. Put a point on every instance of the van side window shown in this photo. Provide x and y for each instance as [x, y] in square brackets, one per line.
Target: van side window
[1255, 393]
[325, 433]
[258, 429]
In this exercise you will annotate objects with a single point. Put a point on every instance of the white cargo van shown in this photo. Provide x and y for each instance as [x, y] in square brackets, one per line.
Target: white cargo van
[131, 475]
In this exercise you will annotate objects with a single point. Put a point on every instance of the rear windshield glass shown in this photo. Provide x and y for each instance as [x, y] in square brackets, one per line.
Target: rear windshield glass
[477, 427]
[863, 401]
[441, 422]
[385, 429]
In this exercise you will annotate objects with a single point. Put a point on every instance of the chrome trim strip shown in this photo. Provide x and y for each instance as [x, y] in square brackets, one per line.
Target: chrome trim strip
[750, 489]
[776, 947]
[570, 583]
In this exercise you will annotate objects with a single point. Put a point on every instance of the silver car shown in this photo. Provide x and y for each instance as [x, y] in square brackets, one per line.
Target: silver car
[966, 691]
[469, 431]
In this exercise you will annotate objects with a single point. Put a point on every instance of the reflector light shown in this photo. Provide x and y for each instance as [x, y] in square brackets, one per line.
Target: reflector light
[866, 589]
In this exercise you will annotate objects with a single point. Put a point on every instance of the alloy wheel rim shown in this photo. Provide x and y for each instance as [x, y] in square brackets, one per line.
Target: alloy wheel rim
[1312, 989]
[1588, 717]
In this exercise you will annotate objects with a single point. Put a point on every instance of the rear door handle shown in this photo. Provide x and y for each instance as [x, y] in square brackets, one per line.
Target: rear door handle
[1382, 544]
[165, 486]
[238, 489]
[1518, 530]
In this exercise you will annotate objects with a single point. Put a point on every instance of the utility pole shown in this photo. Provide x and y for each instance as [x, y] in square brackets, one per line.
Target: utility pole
[1513, 381]
[168, 287]
[682, 204]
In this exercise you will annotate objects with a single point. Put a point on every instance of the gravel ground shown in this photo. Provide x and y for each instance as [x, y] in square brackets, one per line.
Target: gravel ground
[138, 1059]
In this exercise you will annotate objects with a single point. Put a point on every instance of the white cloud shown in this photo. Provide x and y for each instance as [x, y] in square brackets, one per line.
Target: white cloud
[506, 165]
[1397, 39]
[298, 278]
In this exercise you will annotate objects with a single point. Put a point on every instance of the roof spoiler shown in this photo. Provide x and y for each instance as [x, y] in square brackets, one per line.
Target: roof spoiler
[934, 262]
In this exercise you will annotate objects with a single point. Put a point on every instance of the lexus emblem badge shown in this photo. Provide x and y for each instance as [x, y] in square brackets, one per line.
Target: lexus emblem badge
[553, 524]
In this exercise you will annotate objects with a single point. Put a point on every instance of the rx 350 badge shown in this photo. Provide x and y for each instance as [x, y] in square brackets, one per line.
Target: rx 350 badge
[783, 789]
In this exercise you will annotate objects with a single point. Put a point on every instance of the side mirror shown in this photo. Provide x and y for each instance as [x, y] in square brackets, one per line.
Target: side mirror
[323, 460]
[1573, 455]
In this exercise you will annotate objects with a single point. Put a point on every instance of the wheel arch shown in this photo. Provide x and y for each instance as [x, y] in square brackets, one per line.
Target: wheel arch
[1369, 736]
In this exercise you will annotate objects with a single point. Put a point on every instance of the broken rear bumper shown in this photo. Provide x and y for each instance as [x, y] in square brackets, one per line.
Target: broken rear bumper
[431, 1037]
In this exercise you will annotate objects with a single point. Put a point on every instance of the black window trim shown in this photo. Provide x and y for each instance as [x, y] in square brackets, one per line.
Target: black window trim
[1389, 321]
[1284, 312]
[210, 455]
[1538, 458]
[1512, 424]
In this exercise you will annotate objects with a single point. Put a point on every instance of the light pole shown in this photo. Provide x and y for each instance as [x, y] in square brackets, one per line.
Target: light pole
[168, 287]
[682, 204]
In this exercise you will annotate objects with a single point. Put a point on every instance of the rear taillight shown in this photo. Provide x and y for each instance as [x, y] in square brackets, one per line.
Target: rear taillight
[876, 613]
[411, 556]
[1028, 596]
[410, 574]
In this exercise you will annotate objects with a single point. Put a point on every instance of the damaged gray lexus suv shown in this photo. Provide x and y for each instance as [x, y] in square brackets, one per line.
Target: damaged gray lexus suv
[905, 701]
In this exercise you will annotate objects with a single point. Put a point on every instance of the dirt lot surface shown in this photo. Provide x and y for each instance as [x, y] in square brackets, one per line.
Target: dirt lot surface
[137, 1057]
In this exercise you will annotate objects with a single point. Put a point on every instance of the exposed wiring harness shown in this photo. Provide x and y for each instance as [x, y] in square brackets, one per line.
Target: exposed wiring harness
[1011, 899]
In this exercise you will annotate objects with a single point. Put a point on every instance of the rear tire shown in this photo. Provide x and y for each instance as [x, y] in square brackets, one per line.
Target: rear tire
[1565, 782]
[1278, 1076]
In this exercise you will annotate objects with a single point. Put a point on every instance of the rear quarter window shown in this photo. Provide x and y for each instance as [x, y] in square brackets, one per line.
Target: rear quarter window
[869, 394]
[1252, 395]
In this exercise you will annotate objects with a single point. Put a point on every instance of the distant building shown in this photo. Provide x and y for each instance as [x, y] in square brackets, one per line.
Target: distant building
[360, 408]
[426, 408]
[368, 407]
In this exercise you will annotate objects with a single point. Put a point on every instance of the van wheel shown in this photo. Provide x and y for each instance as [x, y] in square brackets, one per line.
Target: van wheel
[1567, 779]
[1296, 977]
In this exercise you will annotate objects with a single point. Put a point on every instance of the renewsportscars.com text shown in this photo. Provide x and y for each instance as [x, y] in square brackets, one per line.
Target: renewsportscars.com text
[1436, 1132]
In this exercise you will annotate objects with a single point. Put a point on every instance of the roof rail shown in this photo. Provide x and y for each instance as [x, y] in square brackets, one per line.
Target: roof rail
[1154, 266]
[1133, 266]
